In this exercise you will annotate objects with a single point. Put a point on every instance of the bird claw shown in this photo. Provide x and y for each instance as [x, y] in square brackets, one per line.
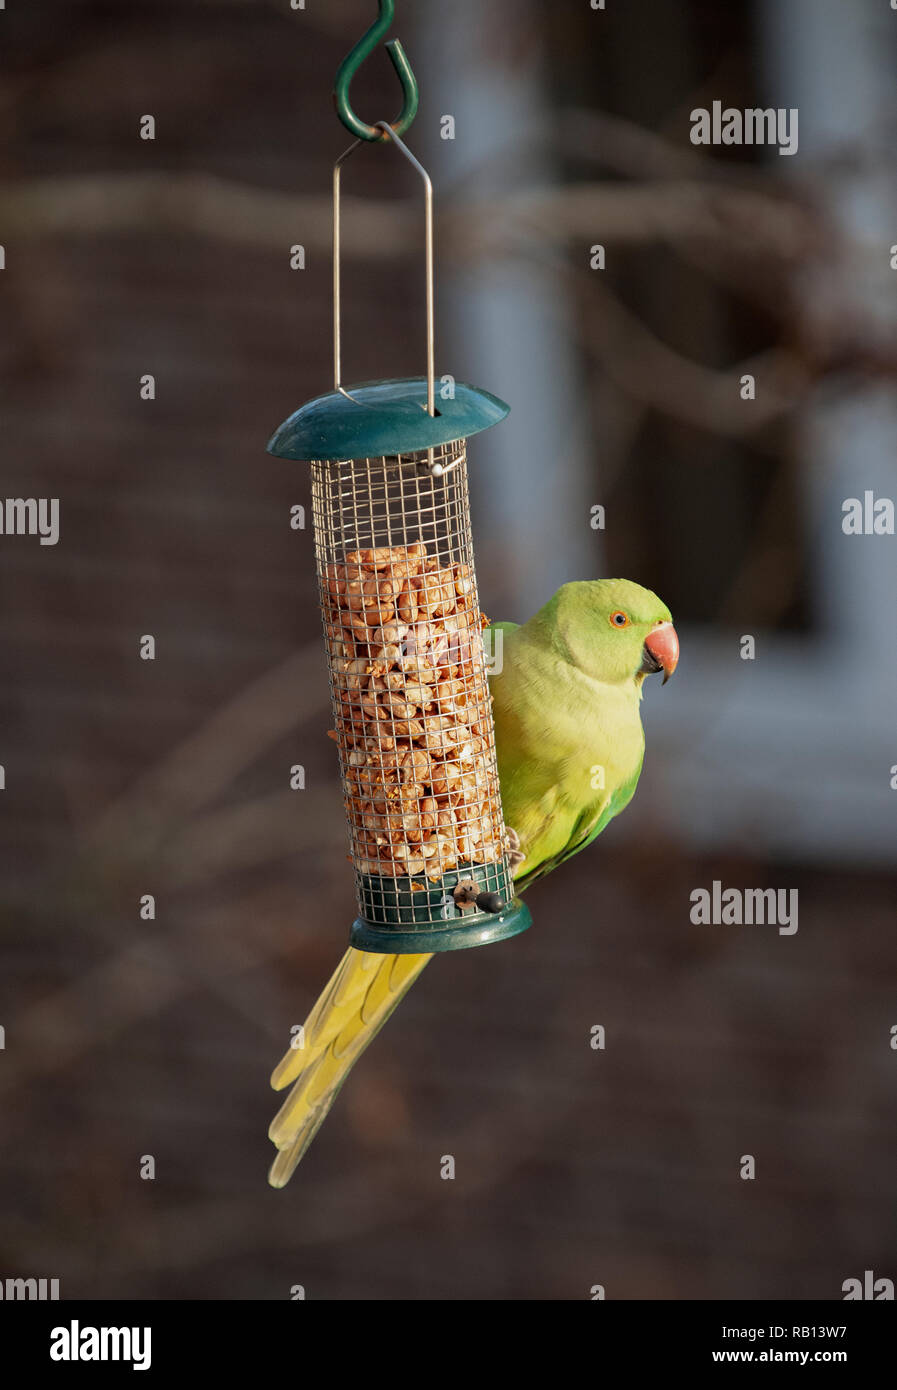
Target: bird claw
[513, 850]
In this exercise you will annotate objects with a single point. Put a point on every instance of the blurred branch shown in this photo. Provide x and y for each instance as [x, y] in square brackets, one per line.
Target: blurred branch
[254, 833]
[199, 204]
[147, 825]
[341, 20]
[206, 763]
[634, 151]
[221, 209]
[674, 211]
[142, 978]
[653, 373]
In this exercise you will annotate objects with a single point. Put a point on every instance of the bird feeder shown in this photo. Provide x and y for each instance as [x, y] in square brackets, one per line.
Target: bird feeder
[402, 624]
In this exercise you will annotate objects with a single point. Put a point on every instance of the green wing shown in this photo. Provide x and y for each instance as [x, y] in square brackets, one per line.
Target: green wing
[586, 829]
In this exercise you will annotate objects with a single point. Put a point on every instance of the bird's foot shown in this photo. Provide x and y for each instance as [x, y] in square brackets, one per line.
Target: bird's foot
[513, 850]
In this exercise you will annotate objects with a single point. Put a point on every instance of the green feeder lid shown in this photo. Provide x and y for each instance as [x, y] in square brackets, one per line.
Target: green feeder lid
[382, 418]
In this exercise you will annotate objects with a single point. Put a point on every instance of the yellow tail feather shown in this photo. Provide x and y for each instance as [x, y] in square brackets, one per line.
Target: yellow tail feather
[356, 1002]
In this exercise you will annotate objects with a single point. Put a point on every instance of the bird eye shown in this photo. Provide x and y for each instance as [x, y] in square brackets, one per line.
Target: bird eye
[619, 619]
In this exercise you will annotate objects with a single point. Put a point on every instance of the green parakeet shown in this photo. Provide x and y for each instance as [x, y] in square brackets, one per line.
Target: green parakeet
[568, 727]
[567, 687]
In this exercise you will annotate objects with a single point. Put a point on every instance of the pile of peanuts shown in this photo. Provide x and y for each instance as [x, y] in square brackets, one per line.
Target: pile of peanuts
[413, 723]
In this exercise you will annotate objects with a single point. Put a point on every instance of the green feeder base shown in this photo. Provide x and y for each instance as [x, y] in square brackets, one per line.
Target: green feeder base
[400, 917]
[477, 929]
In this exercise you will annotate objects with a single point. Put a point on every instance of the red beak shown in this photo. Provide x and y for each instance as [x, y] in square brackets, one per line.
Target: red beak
[662, 646]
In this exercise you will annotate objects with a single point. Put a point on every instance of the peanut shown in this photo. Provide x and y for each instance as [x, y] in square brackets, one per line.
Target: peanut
[377, 559]
[412, 711]
[406, 603]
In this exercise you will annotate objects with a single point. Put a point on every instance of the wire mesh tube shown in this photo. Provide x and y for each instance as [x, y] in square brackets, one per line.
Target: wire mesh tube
[408, 666]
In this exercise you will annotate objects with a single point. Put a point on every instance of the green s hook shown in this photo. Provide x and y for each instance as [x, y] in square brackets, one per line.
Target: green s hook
[350, 65]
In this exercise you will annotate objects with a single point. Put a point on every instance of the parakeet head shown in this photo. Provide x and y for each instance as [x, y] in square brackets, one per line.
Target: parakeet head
[616, 630]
